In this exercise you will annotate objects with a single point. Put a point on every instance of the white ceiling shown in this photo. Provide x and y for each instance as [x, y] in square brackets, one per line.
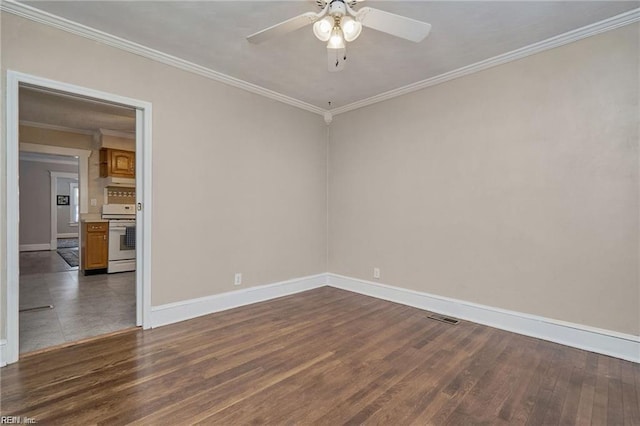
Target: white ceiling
[60, 110]
[212, 34]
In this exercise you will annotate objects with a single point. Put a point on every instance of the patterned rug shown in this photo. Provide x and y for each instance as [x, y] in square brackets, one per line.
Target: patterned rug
[67, 242]
[70, 256]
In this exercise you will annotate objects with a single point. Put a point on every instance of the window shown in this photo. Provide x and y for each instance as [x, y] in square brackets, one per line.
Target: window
[74, 204]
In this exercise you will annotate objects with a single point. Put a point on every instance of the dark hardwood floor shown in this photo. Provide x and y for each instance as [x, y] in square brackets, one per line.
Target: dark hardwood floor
[325, 357]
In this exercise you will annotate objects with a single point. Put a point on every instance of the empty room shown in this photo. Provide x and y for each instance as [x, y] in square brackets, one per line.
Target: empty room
[321, 212]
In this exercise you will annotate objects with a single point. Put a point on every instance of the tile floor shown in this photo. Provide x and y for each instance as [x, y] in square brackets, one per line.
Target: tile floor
[84, 306]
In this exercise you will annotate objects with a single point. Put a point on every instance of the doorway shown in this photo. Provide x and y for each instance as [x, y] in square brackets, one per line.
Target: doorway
[140, 290]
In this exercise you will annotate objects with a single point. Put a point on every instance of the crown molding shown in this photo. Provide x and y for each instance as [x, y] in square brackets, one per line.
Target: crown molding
[117, 133]
[43, 158]
[37, 15]
[55, 127]
[614, 22]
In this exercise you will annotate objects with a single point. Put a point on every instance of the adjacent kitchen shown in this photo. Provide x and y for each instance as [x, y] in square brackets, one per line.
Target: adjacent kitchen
[80, 284]
[109, 243]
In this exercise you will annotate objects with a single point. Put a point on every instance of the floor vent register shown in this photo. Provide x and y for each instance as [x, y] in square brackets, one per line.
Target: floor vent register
[445, 319]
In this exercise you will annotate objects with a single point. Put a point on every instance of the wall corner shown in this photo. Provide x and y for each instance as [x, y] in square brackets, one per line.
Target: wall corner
[328, 117]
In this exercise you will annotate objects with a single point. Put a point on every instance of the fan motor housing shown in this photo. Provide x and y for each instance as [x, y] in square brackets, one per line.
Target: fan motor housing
[337, 8]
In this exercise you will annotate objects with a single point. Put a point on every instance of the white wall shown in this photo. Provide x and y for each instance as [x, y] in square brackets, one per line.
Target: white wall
[516, 187]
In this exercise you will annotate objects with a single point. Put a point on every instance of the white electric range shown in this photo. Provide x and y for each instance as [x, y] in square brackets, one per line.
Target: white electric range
[122, 236]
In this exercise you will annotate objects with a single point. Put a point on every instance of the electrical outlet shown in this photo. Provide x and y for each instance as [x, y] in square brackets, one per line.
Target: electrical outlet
[376, 273]
[238, 279]
[94, 202]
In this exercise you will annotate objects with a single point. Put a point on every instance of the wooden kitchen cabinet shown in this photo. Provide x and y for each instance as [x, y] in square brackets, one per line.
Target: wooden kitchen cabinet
[95, 246]
[118, 163]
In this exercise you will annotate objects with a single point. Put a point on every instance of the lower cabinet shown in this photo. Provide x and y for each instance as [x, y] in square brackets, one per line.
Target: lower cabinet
[95, 246]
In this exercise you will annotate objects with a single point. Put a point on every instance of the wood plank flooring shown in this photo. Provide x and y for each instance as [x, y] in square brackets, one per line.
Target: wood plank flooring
[322, 357]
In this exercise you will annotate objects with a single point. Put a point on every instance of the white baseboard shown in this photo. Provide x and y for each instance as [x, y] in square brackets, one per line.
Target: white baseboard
[619, 345]
[35, 247]
[3, 348]
[68, 235]
[187, 309]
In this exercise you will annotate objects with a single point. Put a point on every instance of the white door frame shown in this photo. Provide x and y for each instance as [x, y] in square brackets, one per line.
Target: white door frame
[83, 164]
[81, 161]
[54, 205]
[143, 198]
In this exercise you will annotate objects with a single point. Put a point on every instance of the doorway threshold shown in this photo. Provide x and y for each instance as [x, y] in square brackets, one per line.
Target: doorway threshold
[79, 342]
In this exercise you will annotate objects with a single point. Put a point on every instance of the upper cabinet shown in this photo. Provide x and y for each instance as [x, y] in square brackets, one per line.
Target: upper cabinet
[119, 163]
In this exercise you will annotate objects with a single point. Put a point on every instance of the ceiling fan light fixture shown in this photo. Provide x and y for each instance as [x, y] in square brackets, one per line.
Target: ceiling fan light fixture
[336, 41]
[337, 24]
[350, 28]
[322, 28]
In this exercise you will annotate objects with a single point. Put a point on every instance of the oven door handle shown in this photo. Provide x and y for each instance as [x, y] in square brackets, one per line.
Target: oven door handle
[118, 228]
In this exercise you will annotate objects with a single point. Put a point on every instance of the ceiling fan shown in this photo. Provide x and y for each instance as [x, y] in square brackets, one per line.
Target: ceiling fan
[338, 23]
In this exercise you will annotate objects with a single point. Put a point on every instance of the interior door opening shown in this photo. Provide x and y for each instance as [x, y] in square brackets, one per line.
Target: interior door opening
[64, 283]
[61, 298]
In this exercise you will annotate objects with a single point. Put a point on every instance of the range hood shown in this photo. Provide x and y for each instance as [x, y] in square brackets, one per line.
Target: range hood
[120, 181]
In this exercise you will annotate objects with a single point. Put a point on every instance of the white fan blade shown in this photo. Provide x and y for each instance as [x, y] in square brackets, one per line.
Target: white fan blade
[336, 59]
[284, 27]
[396, 25]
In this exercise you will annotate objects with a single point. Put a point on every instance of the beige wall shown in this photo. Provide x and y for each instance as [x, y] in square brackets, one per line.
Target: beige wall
[516, 187]
[239, 181]
[30, 134]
